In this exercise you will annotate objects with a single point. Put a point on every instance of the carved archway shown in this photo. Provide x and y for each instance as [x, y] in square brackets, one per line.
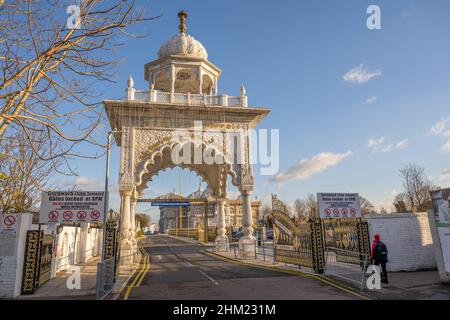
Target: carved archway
[161, 158]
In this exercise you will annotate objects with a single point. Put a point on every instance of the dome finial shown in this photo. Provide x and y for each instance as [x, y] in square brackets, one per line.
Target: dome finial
[182, 15]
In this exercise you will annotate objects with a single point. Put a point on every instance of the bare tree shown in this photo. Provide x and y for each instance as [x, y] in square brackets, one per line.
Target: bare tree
[18, 190]
[366, 206]
[312, 207]
[399, 203]
[416, 188]
[50, 65]
[144, 219]
[300, 208]
[266, 215]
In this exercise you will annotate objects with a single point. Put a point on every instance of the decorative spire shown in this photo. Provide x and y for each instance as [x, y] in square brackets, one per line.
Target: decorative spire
[130, 82]
[243, 91]
[182, 15]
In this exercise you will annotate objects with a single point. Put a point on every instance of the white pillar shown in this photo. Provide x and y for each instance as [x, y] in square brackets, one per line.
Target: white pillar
[125, 228]
[133, 224]
[99, 241]
[247, 218]
[221, 238]
[247, 242]
[82, 246]
[133, 219]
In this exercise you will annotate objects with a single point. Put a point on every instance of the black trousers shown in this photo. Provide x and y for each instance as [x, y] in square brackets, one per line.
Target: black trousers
[383, 270]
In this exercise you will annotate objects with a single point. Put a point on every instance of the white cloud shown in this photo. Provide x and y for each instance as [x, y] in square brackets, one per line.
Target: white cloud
[442, 129]
[402, 144]
[445, 175]
[85, 182]
[379, 145]
[360, 74]
[446, 147]
[371, 100]
[307, 168]
[79, 182]
[375, 142]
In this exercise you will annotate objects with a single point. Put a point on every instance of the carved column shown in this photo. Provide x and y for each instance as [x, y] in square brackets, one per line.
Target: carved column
[133, 219]
[221, 238]
[247, 216]
[125, 228]
[247, 241]
[133, 223]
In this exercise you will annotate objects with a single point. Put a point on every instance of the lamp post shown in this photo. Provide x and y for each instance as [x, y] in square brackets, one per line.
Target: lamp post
[105, 209]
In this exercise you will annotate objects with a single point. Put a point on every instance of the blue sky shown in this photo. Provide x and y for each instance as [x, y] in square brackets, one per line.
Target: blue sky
[292, 57]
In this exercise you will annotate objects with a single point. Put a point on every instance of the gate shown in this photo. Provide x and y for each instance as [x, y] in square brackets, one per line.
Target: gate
[349, 236]
[297, 242]
[37, 260]
[45, 258]
[112, 243]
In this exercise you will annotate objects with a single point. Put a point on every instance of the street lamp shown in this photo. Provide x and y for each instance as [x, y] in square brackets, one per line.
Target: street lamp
[105, 209]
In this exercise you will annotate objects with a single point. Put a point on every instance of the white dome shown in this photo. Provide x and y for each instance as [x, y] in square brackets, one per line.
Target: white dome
[182, 44]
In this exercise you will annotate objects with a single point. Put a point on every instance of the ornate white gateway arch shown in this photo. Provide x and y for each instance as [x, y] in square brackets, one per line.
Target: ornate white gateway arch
[182, 121]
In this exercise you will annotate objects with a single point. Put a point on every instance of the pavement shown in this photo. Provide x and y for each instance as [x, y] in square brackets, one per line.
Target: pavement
[56, 288]
[183, 270]
[420, 285]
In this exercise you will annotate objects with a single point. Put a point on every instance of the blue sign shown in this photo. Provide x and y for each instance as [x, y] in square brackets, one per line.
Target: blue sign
[170, 204]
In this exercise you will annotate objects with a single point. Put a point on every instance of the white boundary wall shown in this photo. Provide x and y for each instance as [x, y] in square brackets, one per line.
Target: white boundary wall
[408, 238]
[68, 250]
[11, 266]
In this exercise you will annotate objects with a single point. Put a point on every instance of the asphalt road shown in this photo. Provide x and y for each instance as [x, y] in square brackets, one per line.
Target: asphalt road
[179, 270]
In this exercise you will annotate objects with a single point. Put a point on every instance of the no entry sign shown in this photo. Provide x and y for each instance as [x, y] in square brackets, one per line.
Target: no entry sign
[71, 206]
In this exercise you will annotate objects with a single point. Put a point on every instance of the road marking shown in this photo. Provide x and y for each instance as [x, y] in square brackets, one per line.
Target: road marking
[130, 277]
[143, 268]
[146, 270]
[327, 281]
[213, 281]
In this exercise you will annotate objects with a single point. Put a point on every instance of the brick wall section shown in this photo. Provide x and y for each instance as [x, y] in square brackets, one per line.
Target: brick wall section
[408, 238]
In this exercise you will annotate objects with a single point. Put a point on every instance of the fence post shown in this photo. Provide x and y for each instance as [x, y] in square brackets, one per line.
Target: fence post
[264, 252]
[273, 251]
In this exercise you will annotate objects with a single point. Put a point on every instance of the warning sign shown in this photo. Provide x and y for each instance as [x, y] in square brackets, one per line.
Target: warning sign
[81, 215]
[71, 206]
[342, 205]
[67, 215]
[95, 215]
[53, 216]
[9, 223]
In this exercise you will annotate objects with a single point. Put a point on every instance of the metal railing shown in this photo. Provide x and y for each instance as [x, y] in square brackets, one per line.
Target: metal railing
[349, 272]
[266, 249]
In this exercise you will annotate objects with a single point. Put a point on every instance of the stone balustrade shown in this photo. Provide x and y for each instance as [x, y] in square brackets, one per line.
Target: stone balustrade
[186, 99]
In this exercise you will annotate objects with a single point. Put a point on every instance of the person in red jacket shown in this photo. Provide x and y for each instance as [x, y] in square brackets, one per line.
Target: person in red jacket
[379, 256]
